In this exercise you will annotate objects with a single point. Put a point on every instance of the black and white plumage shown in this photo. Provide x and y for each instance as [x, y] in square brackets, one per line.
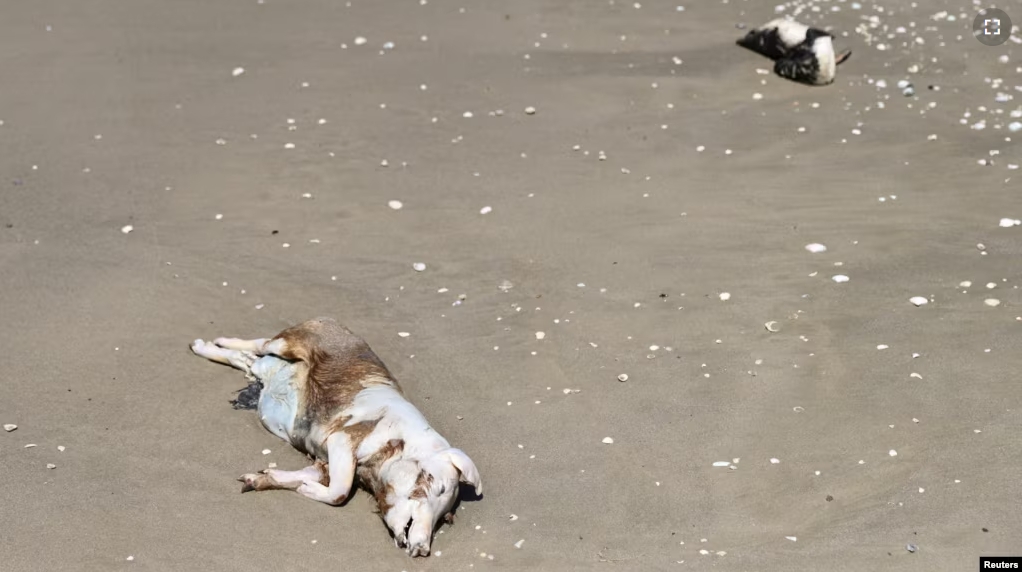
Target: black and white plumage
[800, 53]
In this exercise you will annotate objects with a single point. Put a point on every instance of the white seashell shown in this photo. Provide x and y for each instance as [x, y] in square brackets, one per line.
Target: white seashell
[540, 335]
[608, 440]
[486, 210]
[419, 266]
[61, 448]
[623, 377]
[774, 461]
[127, 228]
[266, 451]
[517, 544]
[1009, 222]
[10, 427]
[883, 346]
[915, 375]
[721, 463]
[791, 538]
[403, 334]
[238, 71]
[892, 453]
[513, 517]
[725, 296]
[918, 300]
[772, 326]
[992, 302]
[51, 466]
[396, 205]
[816, 248]
[965, 283]
[530, 110]
[839, 278]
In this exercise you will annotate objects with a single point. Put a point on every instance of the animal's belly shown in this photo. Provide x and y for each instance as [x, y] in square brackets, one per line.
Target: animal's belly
[278, 401]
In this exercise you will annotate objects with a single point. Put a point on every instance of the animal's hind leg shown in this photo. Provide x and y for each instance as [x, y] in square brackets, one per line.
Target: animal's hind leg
[341, 456]
[271, 479]
[209, 350]
[254, 346]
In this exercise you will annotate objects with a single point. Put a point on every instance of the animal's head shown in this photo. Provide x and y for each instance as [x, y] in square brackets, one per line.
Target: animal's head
[418, 493]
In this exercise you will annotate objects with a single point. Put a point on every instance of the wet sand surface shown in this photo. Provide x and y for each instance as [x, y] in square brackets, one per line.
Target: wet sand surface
[614, 231]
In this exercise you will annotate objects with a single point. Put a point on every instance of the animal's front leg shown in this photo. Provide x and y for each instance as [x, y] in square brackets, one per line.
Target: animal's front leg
[254, 346]
[214, 352]
[341, 460]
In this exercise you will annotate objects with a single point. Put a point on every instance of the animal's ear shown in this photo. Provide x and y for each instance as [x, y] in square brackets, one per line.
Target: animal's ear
[469, 473]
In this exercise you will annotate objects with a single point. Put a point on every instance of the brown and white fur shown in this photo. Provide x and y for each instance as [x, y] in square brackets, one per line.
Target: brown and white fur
[325, 392]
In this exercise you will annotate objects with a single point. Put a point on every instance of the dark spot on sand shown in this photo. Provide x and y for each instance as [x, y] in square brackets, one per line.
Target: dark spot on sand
[248, 398]
[984, 529]
[275, 232]
[829, 498]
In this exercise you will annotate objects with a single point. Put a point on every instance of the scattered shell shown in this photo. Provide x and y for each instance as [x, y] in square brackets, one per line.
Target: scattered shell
[816, 248]
[505, 286]
[419, 266]
[911, 547]
[396, 205]
[540, 335]
[772, 326]
[10, 427]
[513, 517]
[775, 461]
[30, 445]
[238, 71]
[61, 448]
[530, 110]
[51, 466]
[608, 440]
[992, 302]
[721, 463]
[791, 538]
[486, 210]
[520, 543]
[918, 300]
[266, 451]
[1009, 222]
[127, 228]
[883, 346]
[839, 278]
[892, 453]
[403, 334]
[623, 377]
[725, 296]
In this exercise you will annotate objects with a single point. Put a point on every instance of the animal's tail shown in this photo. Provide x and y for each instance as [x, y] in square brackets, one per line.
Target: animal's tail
[841, 57]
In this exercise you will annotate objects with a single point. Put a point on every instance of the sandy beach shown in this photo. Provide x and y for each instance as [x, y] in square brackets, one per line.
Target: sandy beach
[618, 176]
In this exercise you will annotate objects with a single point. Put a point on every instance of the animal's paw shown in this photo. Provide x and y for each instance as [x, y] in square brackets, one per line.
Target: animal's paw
[197, 346]
[400, 540]
[252, 482]
[418, 549]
